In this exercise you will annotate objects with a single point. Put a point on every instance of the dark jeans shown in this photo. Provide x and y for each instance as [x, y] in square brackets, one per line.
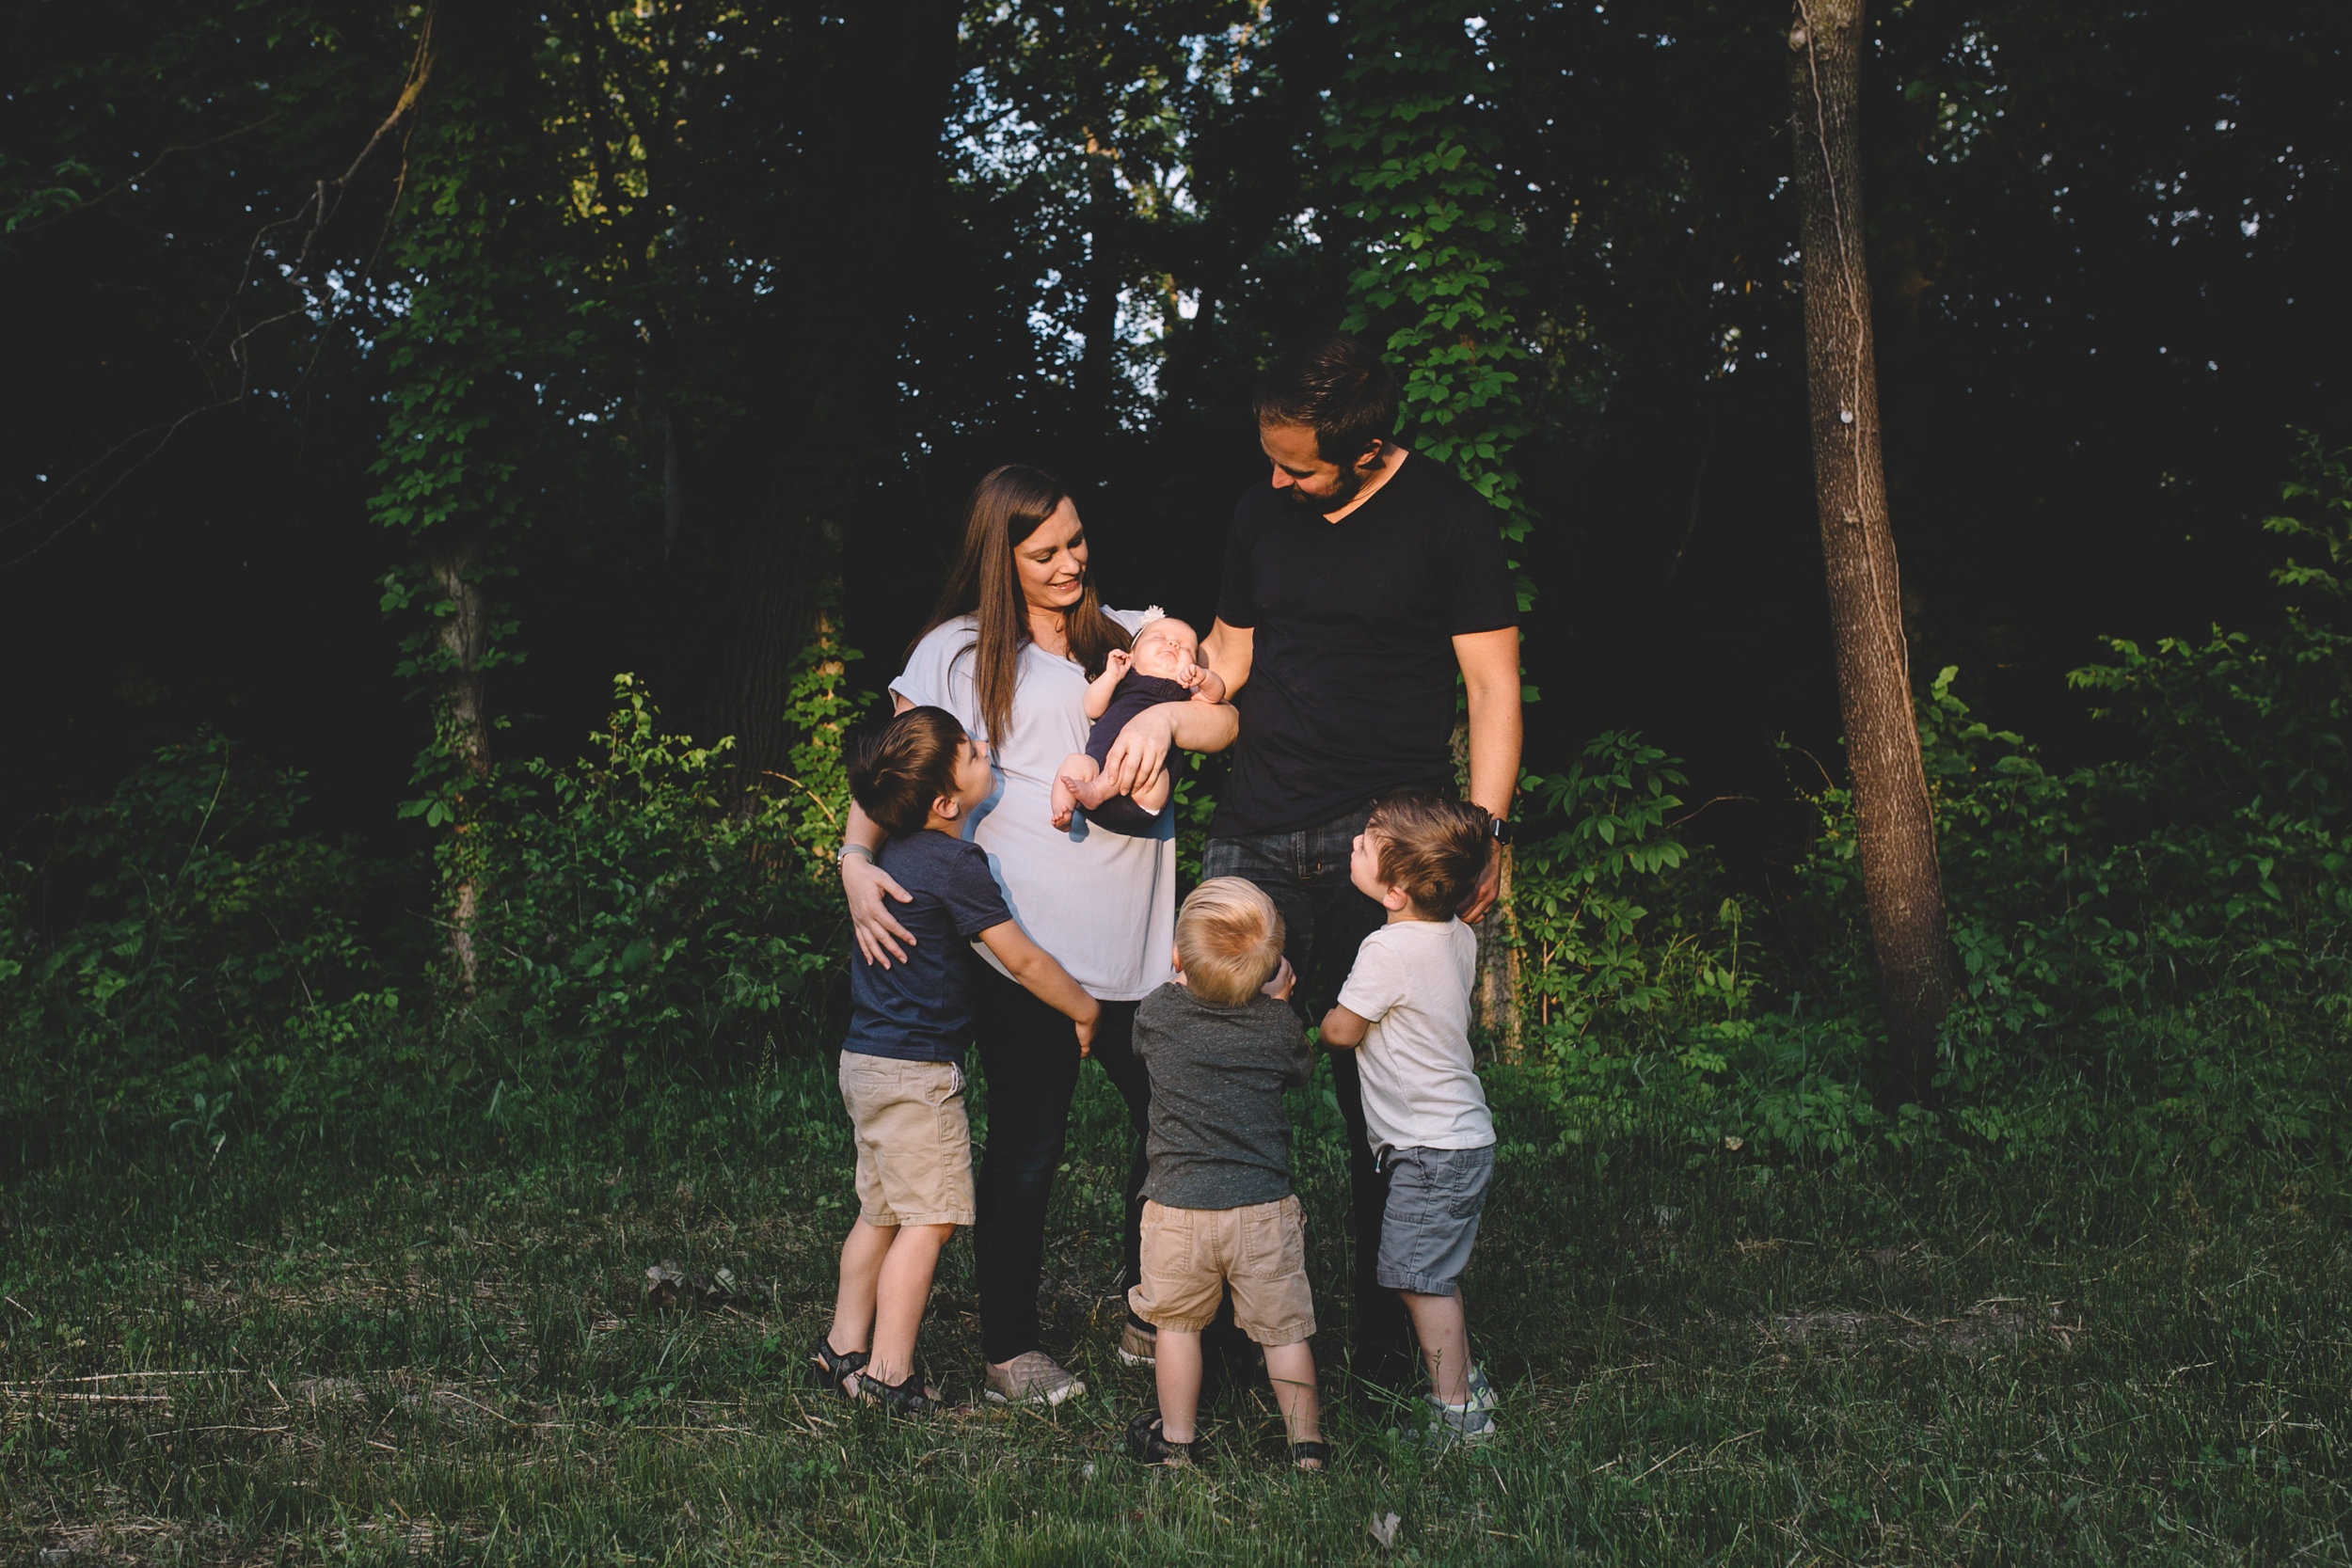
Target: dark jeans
[1029, 1060]
[1326, 920]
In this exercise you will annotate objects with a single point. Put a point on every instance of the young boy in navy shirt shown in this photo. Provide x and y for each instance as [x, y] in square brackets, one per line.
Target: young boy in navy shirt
[902, 1065]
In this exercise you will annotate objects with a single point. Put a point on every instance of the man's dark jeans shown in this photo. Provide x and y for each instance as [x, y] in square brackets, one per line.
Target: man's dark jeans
[1029, 1061]
[1326, 920]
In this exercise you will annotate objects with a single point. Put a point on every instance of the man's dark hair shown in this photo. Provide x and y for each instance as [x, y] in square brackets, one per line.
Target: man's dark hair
[897, 772]
[1339, 388]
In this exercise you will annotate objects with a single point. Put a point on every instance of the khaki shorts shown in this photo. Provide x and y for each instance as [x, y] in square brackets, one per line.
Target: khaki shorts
[913, 1141]
[1191, 1255]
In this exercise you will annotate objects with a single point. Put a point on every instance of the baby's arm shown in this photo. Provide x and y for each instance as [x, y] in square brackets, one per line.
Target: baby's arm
[1206, 684]
[1099, 689]
[1071, 782]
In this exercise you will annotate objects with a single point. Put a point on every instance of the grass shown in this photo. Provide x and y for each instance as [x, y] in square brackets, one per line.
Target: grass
[269, 1355]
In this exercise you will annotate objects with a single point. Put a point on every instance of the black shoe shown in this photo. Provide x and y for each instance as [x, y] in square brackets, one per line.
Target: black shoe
[1148, 1445]
[835, 1371]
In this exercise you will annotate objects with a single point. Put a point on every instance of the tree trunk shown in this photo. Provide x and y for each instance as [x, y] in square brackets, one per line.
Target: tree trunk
[464, 720]
[1892, 814]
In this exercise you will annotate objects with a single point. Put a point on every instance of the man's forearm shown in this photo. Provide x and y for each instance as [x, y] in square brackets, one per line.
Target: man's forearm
[1202, 726]
[1495, 729]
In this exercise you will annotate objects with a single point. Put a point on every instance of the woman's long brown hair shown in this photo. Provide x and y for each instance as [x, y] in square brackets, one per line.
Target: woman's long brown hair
[1006, 508]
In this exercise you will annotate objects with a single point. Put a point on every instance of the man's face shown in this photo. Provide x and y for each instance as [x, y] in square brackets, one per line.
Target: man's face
[1307, 479]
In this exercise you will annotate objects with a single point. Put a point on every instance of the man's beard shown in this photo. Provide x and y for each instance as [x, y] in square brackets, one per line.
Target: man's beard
[1351, 484]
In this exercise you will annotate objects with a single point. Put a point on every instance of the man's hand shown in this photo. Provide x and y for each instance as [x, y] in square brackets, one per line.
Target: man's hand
[1482, 897]
[870, 890]
[1085, 1026]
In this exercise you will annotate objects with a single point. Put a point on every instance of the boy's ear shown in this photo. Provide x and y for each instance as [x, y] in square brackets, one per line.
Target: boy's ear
[945, 806]
[1393, 897]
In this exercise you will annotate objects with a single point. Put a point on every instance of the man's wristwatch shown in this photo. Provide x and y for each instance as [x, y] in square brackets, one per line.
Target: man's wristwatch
[1502, 827]
[849, 850]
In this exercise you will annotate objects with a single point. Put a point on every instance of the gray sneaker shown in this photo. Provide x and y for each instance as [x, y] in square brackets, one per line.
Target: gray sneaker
[1435, 1426]
[1032, 1377]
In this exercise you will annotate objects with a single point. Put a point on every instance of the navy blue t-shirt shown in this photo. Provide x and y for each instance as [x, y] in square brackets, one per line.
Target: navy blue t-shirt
[921, 1010]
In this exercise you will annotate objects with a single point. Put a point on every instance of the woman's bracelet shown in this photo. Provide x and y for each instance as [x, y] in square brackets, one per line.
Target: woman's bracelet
[849, 850]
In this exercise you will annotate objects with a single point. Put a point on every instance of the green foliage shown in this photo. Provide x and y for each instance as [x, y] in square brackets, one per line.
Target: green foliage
[1642, 990]
[644, 921]
[1434, 276]
[215, 950]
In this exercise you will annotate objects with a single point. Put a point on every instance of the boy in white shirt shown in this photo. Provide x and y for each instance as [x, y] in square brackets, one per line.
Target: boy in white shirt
[1406, 1012]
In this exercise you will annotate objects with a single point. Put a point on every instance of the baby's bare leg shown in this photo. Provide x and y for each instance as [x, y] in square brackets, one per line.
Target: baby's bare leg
[1076, 770]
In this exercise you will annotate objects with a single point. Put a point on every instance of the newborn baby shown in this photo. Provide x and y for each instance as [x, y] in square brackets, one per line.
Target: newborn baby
[1163, 668]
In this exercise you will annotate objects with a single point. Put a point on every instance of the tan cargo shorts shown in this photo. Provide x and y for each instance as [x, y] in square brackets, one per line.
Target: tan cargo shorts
[913, 1141]
[1191, 1255]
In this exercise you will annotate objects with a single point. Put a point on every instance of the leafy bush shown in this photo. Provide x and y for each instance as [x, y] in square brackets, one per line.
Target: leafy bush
[2155, 949]
[1640, 985]
[640, 917]
[213, 952]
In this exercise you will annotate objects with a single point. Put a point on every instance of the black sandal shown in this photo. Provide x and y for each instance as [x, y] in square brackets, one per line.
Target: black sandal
[911, 1398]
[1148, 1444]
[835, 1370]
[1319, 1452]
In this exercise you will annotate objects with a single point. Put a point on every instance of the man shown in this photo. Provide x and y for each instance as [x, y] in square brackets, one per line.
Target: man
[1359, 579]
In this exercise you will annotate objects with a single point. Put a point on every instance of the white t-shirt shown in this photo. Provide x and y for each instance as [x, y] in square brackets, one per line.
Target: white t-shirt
[1104, 904]
[1413, 982]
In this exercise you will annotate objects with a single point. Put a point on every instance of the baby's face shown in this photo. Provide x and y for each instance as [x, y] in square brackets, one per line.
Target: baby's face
[1165, 647]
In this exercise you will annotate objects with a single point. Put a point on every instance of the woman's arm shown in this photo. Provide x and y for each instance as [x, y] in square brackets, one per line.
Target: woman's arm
[870, 888]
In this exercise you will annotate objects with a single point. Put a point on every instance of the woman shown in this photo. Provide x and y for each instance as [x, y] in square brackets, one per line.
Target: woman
[1008, 651]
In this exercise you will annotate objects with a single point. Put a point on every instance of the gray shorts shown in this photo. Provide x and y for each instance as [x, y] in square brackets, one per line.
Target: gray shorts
[1435, 1198]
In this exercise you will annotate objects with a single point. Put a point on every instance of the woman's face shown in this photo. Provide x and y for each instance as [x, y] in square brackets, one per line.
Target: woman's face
[1052, 561]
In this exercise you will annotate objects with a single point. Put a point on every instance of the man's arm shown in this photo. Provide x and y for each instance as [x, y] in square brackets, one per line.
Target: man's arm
[1490, 679]
[1139, 755]
[1226, 652]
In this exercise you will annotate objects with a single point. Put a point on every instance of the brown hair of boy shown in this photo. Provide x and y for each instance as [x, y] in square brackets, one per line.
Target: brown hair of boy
[897, 772]
[1433, 849]
[1229, 939]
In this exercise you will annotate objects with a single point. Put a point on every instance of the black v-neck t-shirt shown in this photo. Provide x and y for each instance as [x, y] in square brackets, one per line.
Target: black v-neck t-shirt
[1351, 677]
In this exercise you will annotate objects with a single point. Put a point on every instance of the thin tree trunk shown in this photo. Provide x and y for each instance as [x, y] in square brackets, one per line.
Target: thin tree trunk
[463, 722]
[1892, 812]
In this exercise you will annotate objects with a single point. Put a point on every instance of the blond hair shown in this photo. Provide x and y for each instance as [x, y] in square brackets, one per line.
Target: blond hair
[1228, 938]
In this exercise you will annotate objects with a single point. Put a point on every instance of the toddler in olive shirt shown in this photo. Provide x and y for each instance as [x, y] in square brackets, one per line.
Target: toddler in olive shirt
[1221, 1044]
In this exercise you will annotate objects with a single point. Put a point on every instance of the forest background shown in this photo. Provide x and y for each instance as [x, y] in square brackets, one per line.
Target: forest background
[417, 1130]
[389, 381]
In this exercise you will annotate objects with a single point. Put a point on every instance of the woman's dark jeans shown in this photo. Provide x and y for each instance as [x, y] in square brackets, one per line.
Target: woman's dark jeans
[1325, 919]
[1029, 1060]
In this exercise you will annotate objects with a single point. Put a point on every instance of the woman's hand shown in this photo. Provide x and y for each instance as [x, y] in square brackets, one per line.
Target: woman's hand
[870, 890]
